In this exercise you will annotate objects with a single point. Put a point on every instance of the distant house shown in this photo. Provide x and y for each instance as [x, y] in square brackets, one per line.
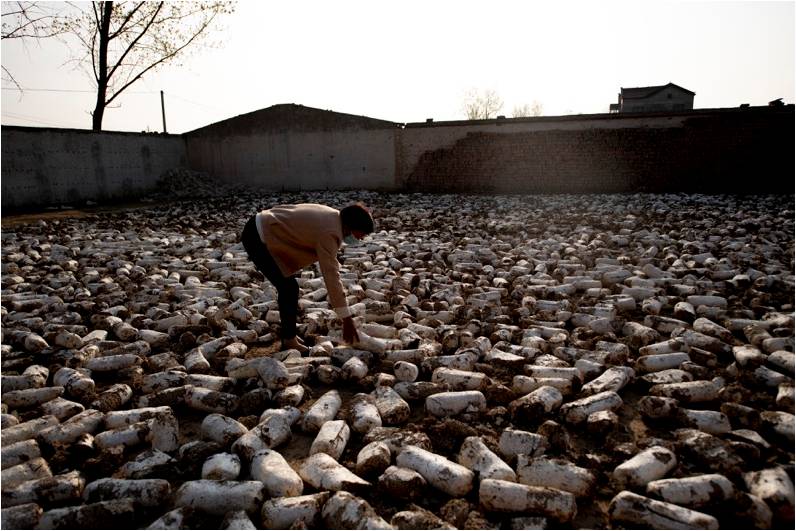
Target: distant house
[669, 97]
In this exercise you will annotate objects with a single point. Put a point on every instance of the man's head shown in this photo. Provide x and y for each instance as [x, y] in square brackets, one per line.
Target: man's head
[356, 220]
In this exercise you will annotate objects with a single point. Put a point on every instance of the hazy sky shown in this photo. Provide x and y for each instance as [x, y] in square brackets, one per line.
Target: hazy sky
[411, 60]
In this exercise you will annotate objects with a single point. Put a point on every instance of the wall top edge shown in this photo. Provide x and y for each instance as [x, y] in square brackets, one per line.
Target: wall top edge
[283, 115]
[786, 109]
[87, 131]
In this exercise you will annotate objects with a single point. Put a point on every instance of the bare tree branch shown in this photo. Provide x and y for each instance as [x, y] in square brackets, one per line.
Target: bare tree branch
[527, 110]
[483, 105]
[154, 65]
[12, 79]
[131, 46]
[126, 20]
[96, 14]
[27, 21]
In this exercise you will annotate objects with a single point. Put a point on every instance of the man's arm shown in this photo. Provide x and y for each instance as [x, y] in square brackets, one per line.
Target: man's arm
[327, 248]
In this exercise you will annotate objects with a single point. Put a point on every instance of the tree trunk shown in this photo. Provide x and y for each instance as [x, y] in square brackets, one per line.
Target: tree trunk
[102, 74]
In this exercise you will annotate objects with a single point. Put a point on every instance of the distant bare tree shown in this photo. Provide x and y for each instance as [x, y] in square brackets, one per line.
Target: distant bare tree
[521, 111]
[122, 41]
[524, 110]
[24, 21]
[482, 105]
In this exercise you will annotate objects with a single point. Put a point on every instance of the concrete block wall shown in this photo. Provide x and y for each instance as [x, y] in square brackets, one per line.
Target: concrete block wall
[43, 166]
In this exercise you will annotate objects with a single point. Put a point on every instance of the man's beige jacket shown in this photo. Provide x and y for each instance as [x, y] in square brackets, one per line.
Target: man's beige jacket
[299, 235]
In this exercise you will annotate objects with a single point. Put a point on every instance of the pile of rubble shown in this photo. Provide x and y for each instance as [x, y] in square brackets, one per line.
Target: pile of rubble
[524, 362]
[182, 183]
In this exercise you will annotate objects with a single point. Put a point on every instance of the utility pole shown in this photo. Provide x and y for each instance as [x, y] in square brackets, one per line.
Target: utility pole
[163, 110]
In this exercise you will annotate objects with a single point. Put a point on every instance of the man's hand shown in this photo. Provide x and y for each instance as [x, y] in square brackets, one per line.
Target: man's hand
[350, 334]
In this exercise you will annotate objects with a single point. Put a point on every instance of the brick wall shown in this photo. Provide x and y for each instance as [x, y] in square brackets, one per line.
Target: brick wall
[749, 151]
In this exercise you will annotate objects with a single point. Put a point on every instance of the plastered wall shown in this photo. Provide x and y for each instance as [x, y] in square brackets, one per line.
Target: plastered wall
[299, 160]
[43, 166]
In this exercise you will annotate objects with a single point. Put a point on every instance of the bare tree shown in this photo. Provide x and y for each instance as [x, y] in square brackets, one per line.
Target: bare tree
[25, 21]
[122, 41]
[482, 105]
[521, 111]
[525, 110]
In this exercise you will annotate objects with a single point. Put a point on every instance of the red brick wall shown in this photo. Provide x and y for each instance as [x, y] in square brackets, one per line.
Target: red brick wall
[748, 151]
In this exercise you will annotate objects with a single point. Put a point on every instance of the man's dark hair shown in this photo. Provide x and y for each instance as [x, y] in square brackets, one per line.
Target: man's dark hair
[357, 217]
